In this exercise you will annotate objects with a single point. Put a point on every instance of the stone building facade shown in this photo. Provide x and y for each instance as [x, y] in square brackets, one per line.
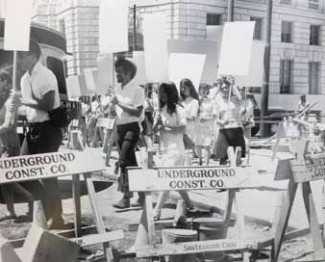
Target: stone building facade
[298, 32]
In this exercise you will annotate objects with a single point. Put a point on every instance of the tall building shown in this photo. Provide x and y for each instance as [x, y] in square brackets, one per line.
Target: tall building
[298, 33]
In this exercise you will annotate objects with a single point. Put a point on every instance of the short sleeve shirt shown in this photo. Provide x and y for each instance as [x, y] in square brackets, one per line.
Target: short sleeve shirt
[133, 95]
[37, 84]
[191, 107]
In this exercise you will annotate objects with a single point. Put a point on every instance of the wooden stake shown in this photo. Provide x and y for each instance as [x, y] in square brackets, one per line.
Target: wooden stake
[283, 219]
[98, 218]
[14, 71]
[312, 216]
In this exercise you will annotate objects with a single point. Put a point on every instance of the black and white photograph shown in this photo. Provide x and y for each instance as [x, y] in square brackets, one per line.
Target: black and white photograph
[162, 130]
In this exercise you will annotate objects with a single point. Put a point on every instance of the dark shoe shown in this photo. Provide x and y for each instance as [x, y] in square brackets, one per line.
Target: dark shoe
[123, 203]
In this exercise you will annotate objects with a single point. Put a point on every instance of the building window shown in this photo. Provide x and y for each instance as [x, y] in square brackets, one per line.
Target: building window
[286, 78]
[214, 19]
[314, 77]
[314, 37]
[313, 4]
[286, 32]
[286, 2]
[258, 27]
[62, 26]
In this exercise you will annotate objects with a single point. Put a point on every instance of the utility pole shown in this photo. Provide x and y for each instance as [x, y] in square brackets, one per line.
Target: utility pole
[267, 62]
[134, 27]
[230, 10]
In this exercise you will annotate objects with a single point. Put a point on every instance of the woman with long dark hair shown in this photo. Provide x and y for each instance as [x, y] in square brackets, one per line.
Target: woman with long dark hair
[170, 122]
[190, 102]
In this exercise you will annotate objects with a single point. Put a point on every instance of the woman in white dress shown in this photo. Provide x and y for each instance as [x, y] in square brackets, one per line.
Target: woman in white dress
[190, 102]
[170, 122]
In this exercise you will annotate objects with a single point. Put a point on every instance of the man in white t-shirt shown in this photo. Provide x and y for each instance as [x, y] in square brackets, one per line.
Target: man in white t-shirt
[40, 94]
[129, 101]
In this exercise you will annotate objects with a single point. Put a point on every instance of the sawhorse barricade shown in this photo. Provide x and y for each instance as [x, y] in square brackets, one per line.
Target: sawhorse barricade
[66, 163]
[302, 168]
[232, 178]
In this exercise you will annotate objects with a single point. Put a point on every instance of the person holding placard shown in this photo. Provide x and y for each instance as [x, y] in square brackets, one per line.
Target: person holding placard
[9, 140]
[190, 102]
[171, 123]
[40, 95]
[230, 121]
[129, 102]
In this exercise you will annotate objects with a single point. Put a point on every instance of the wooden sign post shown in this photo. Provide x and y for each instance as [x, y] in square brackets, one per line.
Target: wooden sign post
[230, 177]
[304, 167]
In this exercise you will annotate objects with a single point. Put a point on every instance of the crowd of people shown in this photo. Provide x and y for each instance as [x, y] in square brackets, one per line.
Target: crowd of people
[181, 118]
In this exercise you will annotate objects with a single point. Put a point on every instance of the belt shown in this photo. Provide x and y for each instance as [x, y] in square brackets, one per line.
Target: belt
[128, 124]
[38, 124]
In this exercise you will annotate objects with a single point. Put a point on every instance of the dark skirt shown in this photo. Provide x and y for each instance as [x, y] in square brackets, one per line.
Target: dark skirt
[229, 137]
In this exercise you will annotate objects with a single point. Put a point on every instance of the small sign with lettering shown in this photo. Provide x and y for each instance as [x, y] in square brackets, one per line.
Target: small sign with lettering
[313, 168]
[192, 178]
[40, 166]
[196, 247]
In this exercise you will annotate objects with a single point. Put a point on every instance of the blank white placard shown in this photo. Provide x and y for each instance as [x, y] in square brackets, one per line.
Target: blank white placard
[138, 59]
[256, 68]
[184, 65]
[2, 8]
[210, 48]
[73, 87]
[113, 26]
[155, 47]
[17, 24]
[236, 48]
[90, 79]
[106, 74]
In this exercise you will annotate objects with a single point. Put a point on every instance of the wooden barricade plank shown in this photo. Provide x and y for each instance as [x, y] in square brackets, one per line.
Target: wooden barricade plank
[99, 238]
[284, 218]
[76, 144]
[77, 204]
[42, 166]
[193, 178]
[195, 247]
[312, 216]
[98, 219]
